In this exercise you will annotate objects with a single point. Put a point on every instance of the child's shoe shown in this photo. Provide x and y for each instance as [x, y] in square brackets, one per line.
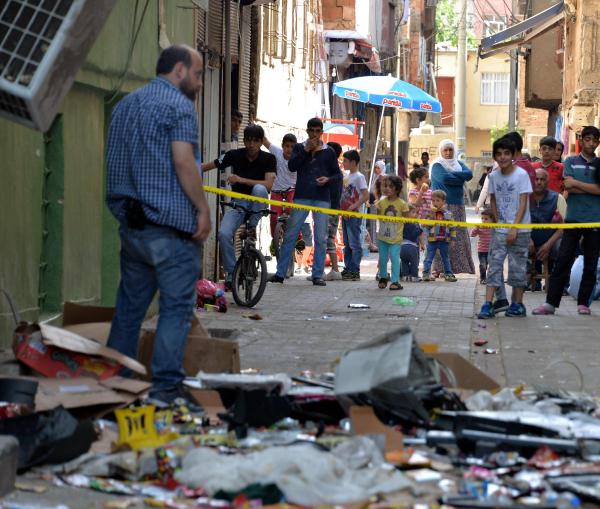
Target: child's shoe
[544, 309]
[482, 281]
[449, 277]
[487, 311]
[584, 310]
[516, 310]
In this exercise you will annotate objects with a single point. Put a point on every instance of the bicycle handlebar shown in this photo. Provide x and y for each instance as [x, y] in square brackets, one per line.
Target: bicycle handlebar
[264, 212]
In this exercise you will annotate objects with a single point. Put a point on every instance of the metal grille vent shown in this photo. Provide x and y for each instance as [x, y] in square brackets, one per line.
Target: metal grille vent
[42, 45]
[26, 32]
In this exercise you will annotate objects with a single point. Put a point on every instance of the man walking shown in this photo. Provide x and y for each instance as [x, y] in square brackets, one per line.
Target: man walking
[154, 189]
[317, 170]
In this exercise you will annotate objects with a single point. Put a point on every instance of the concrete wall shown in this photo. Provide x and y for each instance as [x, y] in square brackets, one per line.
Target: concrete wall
[72, 235]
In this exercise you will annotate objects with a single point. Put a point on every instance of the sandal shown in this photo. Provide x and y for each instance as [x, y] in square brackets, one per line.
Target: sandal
[396, 286]
[382, 283]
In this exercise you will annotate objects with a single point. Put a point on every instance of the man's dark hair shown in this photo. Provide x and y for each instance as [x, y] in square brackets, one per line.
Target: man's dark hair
[516, 139]
[254, 132]
[416, 174]
[237, 114]
[504, 143]
[170, 56]
[548, 141]
[337, 148]
[289, 138]
[315, 122]
[424, 154]
[590, 130]
[352, 155]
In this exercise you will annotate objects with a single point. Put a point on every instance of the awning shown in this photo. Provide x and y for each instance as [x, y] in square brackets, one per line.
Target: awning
[522, 32]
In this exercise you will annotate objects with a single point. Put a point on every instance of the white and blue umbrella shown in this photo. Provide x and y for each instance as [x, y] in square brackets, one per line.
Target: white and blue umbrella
[387, 92]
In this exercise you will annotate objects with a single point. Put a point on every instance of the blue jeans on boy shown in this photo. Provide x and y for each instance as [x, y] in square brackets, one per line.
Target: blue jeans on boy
[156, 258]
[233, 219]
[351, 229]
[409, 257]
[390, 252]
[432, 247]
[293, 227]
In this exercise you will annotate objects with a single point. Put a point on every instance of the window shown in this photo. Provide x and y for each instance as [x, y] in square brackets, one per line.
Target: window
[493, 24]
[494, 88]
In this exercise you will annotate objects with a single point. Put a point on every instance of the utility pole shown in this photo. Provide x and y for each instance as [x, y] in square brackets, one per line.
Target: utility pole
[460, 93]
[513, 80]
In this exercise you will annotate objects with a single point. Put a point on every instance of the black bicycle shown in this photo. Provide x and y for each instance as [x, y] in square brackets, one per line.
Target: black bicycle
[279, 234]
[249, 277]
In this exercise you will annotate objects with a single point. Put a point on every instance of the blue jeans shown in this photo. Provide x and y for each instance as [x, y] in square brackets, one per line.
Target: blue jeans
[389, 252]
[232, 220]
[294, 224]
[432, 247]
[156, 258]
[409, 257]
[351, 227]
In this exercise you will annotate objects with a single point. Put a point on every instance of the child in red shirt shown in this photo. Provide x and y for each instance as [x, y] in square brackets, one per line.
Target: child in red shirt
[483, 243]
[554, 168]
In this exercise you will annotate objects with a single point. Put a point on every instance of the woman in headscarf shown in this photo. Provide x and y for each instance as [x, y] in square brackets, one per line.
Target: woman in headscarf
[449, 174]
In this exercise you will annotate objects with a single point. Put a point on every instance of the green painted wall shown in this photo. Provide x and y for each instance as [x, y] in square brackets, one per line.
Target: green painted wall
[21, 177]
[81, 248]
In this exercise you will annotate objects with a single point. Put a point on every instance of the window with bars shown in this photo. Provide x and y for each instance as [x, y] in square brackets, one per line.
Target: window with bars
[494, 88]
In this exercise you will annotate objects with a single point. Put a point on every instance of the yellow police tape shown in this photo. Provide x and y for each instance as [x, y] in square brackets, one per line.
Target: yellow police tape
[333, 212]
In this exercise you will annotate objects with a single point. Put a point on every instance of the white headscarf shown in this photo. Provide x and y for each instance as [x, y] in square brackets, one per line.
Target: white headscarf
[448, 164]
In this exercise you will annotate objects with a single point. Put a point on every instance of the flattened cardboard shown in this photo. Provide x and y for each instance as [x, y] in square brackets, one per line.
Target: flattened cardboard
[128, 385]
[467, 375]
[67, 340]
[75, 393]
[365, 422]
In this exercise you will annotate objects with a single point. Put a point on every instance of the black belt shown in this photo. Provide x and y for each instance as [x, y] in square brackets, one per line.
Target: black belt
[137, 219]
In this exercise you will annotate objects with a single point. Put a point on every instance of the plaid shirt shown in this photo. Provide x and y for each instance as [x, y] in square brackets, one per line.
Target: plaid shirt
[139, 156]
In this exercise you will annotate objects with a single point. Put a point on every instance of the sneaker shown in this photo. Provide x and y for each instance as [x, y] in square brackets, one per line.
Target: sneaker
[544, 309]
[356, 276]
[584, 310]
[449, 277]
[333, 275]
[482, 281]
[319, 282]
[347, 276]
[275, 279]
[228, 282]
[427, 276]
[179, 395]
[307, 269]
[298, 271]
[500, 306]
[516, 310]
[487, 311]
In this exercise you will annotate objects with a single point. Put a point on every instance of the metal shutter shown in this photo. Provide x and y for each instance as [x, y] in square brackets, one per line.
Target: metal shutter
[200, 29]
[214, 39]
[245, 53]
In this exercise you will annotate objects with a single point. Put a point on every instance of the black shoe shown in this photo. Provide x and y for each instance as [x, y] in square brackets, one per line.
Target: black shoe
[179, 395]
[500, 305]
[275, 279]
[319, 281]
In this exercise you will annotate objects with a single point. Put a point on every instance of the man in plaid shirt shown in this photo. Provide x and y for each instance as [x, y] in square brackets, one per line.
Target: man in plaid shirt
[154, 189]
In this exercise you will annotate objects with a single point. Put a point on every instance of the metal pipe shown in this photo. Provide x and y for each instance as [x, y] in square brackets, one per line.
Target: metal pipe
[227, 76]
[461, 81]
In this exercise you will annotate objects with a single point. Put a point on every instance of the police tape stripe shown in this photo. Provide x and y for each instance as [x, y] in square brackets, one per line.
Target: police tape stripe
[346, 213]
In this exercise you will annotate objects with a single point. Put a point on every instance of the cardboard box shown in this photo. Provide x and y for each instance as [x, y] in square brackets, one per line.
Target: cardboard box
[58, 353]
[466, 375]
[203, 353]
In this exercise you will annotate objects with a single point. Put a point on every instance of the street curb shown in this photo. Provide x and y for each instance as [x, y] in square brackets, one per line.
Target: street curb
[9, 455]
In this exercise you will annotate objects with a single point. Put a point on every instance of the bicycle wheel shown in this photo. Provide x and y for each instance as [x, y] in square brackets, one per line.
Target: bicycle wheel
[278, 239]
[249, 278]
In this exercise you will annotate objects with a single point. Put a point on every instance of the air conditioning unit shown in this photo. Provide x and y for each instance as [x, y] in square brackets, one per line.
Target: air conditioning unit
[43, 43]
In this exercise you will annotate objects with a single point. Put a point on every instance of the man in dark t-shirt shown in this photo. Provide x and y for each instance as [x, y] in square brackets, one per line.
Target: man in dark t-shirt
[253, 173]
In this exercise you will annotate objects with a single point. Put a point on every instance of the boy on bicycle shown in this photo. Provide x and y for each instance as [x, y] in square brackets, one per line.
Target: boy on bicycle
[253, 173]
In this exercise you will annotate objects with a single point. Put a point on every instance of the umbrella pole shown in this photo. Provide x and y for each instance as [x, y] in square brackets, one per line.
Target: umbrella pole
[376, 145]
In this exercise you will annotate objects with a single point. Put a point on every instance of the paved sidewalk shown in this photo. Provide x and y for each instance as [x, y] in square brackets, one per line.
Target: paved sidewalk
[307, 327]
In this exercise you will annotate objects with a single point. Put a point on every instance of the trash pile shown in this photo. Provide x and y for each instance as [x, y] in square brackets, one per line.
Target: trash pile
[393, 426]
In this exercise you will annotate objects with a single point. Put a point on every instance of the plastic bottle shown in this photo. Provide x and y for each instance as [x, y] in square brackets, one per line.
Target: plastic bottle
[403, 301]
[567, 500]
